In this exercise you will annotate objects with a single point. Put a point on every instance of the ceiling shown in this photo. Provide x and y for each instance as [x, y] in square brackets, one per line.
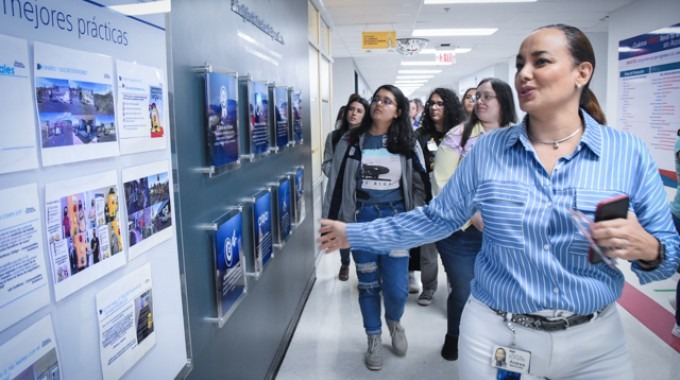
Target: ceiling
[349, 18]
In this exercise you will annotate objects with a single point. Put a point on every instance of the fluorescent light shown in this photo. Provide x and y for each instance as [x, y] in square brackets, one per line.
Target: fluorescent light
[476, 1]
[139, 9]
[425, 63]
[414, 81]
[455, 51]
[400, 77]
[454, 32]
[419, 71]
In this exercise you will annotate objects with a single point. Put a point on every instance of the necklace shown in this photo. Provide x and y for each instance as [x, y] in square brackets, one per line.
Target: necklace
[555, 143]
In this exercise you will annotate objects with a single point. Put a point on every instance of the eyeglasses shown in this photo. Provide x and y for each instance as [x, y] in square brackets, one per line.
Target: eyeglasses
[470, 98]
[439, 104]
[486, 97]
[384, 101]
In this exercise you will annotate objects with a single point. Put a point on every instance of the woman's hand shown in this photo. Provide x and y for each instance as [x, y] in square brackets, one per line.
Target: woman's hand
[477, 221]
[625, 239]
[333, 236]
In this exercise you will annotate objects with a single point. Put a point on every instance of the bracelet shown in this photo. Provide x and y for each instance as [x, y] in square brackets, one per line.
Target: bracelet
[650, 265]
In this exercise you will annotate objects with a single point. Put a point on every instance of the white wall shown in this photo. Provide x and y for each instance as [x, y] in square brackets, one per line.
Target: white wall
[343, 83]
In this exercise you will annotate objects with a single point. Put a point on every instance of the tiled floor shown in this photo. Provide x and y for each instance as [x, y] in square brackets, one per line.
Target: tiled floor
[329, 341]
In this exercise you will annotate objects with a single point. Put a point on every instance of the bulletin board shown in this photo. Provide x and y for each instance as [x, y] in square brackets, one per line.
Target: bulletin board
[87, 183]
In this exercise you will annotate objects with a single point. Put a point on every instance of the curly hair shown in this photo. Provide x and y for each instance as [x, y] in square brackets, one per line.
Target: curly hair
[453, 110]
[400, 136]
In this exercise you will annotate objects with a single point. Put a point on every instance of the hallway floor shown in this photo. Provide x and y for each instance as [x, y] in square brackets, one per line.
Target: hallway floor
[329, 341]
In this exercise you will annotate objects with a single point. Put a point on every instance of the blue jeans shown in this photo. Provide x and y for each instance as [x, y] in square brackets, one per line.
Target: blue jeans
[458, 253]
[379, 272]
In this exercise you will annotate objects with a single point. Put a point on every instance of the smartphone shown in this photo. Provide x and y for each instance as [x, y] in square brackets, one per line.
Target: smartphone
[608, 209]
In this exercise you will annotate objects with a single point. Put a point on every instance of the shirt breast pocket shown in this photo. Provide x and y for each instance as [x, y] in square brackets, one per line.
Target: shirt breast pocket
[503, 206]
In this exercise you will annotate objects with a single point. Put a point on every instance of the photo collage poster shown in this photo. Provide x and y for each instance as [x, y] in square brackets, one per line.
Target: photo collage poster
[23, 275]
[281, 116]
[141, 105]
[283, 209]
[147, 202]
[31, 354]
[18, 150]
[262, 230]
[75, 102]
[222, 116]
[296, 103]
[259, 118]
[83, 230]
[230, 268]
[127, 330]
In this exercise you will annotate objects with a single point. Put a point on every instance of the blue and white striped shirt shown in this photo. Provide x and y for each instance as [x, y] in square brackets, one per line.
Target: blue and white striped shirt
[533, 257]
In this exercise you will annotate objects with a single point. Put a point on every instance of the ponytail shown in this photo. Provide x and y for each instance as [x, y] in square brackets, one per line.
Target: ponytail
[592, 106]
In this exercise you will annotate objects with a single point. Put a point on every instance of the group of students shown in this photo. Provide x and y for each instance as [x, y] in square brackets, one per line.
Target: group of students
[500, 216]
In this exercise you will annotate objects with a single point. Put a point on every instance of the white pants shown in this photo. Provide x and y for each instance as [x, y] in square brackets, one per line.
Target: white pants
[593, 350]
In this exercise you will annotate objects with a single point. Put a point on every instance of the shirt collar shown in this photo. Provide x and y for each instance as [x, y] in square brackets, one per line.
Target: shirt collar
[592, 136]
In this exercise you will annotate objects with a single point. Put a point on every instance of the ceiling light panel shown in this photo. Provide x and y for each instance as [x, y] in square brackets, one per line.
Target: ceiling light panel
[476, 1]
[454, 32]
[419, 71]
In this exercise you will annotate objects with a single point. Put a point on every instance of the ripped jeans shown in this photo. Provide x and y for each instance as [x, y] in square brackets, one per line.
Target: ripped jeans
[380, 272]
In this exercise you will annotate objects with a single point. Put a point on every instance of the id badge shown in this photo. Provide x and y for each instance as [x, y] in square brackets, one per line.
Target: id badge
[432, 146]
[510, 359]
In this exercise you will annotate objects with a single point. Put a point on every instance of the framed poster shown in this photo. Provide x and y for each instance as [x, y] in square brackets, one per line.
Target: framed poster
[254, 97]
[31, 354]
[262, 241]
[298, 178]
[24, 285]
[76, 112]
[280, 131]
[83, 230]
[230, 271]
[282, 210]
[149, 209]
[141, 108]
[127, 328]
[221, 94]
[295, 102]
[18, 150]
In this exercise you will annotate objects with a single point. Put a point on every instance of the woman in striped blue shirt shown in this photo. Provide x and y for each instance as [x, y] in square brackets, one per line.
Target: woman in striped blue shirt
[535, 293]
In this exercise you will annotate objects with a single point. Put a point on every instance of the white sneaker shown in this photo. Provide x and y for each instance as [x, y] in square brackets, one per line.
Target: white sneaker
[413, 286]
[676, 331]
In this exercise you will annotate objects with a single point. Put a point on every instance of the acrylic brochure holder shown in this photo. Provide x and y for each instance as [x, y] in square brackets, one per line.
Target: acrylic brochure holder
[221, 123]
[279, 117]
[254, 139]
[282, 204]
[230, 279]
[259, 245]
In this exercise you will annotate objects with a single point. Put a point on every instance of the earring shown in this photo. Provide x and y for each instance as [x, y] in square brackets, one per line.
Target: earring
[579, 85]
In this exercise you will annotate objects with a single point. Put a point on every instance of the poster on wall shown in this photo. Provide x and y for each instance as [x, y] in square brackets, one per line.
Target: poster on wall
[83, 230]
[283, 210]
[222, 117]
[76, 112]
[23, 275]
[18, 150]
[280, 130]
[262, 229]
[299, 194]
[230, 271]
[31, 354]
[126, 322]
[649, 93]
[141, 116]
[296, 114]
[254, 97]
[149, 210]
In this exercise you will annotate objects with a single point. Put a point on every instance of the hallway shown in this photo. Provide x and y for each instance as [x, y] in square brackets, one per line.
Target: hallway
[329, 342]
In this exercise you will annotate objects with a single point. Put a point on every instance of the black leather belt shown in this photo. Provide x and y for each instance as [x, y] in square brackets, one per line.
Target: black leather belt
[537, 322]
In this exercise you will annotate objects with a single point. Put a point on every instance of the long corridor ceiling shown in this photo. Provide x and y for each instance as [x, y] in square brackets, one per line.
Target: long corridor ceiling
[514, 21]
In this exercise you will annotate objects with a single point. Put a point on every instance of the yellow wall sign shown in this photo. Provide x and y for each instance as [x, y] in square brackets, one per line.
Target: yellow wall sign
[378, 40]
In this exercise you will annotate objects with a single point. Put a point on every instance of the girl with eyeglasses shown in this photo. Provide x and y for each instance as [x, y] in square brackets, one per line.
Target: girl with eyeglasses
[442, 112]
[378, 171]
[535, 290]
[351, 116]
[494, 108]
